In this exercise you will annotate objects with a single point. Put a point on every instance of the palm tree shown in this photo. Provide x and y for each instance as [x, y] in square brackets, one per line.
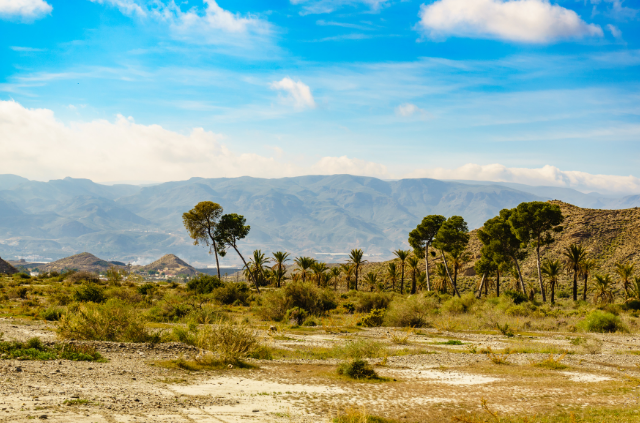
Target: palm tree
[585, 269]
[603, 289]
[413, 263]
[392, 274]
[279, 267]
[257, 264]
[335, 274]
[356, 258]
[625, 271]
[347, 269]
[574, 256]
[441, 283]
[304, 264]
[402, 255]
[372, 279]
[635, 289]
[552, 270]
[318, 269]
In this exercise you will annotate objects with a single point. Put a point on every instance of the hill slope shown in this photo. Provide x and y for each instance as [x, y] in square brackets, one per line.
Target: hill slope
[171, 265]
[6, 268]
[83, 262]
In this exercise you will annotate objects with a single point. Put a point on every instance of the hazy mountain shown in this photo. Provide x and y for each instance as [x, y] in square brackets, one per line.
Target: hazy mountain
[303, 215]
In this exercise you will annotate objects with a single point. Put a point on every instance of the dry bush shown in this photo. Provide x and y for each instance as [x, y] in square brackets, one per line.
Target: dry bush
[79, 277]
[112, 321]
[552, 363]
[229, 342]
[412, 312]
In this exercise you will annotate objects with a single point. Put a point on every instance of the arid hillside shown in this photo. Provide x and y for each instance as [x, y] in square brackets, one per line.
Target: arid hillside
[610, 237]
[83, 262]
[6, 268]
[171, 265]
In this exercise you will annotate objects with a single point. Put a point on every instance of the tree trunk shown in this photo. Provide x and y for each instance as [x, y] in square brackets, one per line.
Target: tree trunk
[402, 278]
[255, 280]
[356, 277]
[522, 287]
[479, 295]
[455, 288]
[215, 250]
[413, 282]
[553, 291]
[584, 293]
[575, 283]
[544, 296]
[426, 266]
[497, 283]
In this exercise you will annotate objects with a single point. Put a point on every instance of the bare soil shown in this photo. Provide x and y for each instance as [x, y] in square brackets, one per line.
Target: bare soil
[442, 382]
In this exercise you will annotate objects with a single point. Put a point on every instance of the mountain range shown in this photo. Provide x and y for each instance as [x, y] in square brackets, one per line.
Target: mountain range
[321, 216]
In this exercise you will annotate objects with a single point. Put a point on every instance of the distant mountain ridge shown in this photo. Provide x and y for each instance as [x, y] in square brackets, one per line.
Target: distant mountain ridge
[170, 264]
[303, 215]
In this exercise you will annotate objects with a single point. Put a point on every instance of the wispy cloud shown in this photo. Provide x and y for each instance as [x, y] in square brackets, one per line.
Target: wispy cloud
[525, 21]
[210, 25]
[25, 11]
[313, 7]
[26, 49]
[344, 25]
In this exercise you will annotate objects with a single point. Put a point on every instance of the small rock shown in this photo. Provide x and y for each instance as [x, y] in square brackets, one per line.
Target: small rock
[18, 369]
[255, 411]
[43, 417]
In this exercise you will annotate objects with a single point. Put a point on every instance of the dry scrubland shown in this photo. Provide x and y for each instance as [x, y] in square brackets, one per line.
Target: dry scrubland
[76, 349]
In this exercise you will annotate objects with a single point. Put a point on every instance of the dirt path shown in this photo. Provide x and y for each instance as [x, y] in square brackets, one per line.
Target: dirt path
[423, 387]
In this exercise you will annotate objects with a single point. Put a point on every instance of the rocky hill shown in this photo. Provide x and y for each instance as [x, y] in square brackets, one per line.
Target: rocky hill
[609, 236]
[170, 265]
[83, 262]
[6, 268]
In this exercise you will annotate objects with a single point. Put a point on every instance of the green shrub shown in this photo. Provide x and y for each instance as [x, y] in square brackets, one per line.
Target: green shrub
[204, 284]
[186, 336]
[146, 288]
[230, 293]
[412, 312]
[21, 275]
[357, 369]
[349, 307]
[296, 316]
[368, 301]
[89, 293]
[632, 305]
[22, 292]
[112, 321]
[52, 314]
[373, 319]
[517, 297]
[310, 321]
[34, 349]
[563, 294]
[457, 305]
[79, 277]
[302, 295]
[603, 322]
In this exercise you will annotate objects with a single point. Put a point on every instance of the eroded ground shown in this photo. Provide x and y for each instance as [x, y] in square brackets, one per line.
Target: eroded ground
[432, 381]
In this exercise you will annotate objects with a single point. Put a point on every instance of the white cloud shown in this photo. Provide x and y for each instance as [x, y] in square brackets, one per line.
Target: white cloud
[544, 176]
[527, 21]
[615, 32]
[342, 165]
[36, 145]
[299, 93]
[211, 25]
[24, 10]
[411, 110]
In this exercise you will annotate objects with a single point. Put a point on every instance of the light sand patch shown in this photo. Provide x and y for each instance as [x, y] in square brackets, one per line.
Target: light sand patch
[448, 377]
[585, 377]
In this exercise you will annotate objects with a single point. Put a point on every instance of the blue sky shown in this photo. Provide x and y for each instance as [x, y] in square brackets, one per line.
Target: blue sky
[530, 91]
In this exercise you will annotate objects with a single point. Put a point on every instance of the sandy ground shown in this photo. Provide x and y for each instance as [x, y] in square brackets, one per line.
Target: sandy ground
[424, 387]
